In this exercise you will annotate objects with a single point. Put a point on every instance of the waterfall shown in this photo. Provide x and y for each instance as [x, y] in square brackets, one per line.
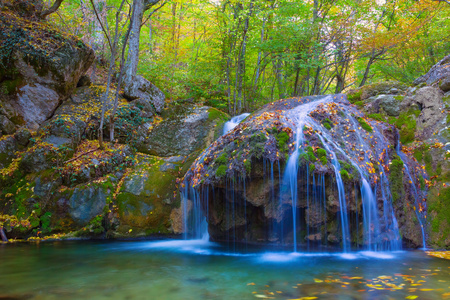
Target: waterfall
[331, 188]
[299, 117]
[194, 221]
[230, 125]
[374, 239]
[416, 193]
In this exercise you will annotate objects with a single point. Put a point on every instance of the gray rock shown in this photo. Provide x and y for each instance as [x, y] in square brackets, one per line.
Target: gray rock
[394, 91]
[86, 203]
[429, 100]
[6, 126]
[147, 109]
[387, 103]
[67, 128]
[23, 136]
[166, 167]
[8, 147]
[187, 129]
[44, 188]
[140, 87]
[174, 159]
[437, 73]
[135, 184]
[445, 84]
[37, 160]
[390, 105]
[42, 82]
[36, 103]
[57, 141]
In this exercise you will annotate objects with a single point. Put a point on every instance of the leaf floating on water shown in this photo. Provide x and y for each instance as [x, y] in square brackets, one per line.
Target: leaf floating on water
[251, 283]
[412, 297]
[305, 298]
[317, 280]
[263, 296]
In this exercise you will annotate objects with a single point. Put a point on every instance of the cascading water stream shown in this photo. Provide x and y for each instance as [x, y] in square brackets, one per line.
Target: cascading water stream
[372, 228]
[299, 117]
[302, 205]
[416, 193]
[194, 221]
[230, 125]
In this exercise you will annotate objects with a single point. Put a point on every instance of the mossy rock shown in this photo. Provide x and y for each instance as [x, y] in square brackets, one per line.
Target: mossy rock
[374, 89]
[36, 79]
[183, 130]
[148, 194]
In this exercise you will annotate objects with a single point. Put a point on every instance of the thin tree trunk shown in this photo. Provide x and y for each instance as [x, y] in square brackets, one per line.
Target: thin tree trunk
[367, 70]
[241, 62]
[113, 47]
[258, 63]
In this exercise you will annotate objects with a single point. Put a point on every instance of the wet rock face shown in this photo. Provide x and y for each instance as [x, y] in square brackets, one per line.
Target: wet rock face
[34, 82]
[247, 194]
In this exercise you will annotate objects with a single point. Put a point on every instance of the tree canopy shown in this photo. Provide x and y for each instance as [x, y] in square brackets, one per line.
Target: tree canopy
[239, 54]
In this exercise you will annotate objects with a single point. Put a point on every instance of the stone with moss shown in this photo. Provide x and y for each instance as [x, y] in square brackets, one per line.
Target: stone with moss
[185, 128]
[39, 78]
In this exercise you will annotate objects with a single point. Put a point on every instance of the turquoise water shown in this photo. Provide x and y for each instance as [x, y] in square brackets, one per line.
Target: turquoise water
[201, 270]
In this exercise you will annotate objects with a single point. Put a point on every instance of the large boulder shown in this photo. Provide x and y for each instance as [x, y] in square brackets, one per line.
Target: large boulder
[140, 88]
[35, 79]
[148, 196]
[429, 101]
[185, 128]
[438, 75]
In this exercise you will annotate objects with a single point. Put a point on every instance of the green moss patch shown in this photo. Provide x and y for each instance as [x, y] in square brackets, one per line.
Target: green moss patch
[364, 125]
[396, 178]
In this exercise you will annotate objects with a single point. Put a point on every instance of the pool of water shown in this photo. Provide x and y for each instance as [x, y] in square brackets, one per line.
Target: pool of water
[173, 269]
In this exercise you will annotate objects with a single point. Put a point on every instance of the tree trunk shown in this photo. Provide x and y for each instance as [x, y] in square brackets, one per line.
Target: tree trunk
[366, 72]
[258, 63]
[133, 42]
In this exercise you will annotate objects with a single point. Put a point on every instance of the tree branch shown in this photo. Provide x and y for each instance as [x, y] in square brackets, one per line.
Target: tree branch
[52, 9]
[155, 10]
[101, 24]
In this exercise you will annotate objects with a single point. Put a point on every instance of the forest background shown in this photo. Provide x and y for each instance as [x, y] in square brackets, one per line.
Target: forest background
[239, 55]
